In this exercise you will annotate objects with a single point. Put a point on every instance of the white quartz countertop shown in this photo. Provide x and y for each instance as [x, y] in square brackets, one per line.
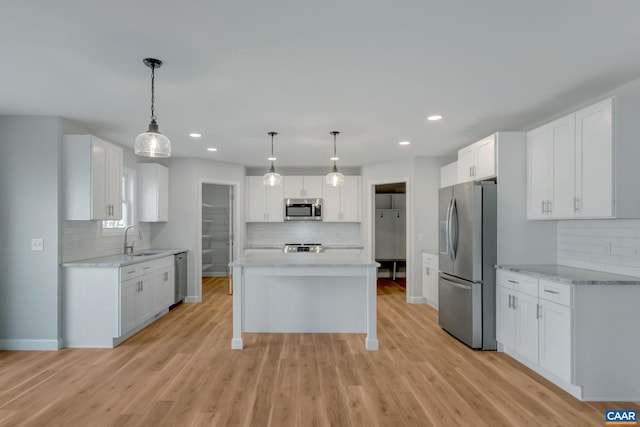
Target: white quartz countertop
[303, 260]
[122, 260]
[570, 275]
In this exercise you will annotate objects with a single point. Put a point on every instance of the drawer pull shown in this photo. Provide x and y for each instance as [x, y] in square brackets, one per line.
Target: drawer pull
[552, 292]
[131, 272]
[514, 281]
[147, 268]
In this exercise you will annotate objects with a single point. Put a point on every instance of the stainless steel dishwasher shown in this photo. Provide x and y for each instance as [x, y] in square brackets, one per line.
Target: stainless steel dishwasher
[181, 277]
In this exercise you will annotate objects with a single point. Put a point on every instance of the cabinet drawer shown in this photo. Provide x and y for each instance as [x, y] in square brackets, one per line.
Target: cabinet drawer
[163, 262]
[525, 284]
[555, 292]
[135, 270]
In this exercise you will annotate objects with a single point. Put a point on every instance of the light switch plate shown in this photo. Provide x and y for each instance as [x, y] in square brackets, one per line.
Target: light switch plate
[37, 244]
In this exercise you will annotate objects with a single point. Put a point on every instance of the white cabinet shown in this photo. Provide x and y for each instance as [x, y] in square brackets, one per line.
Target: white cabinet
[430, 278]
[570, 166]
[103, 306]
[92, 177]
[342, 204]
[477, 161]
[264, 203]
[533, 322]
[152, 183]
[302, 187]
[449, 174]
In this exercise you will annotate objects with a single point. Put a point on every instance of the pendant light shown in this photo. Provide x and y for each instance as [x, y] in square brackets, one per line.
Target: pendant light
[152, 143]
[335, 178]
[272, 178]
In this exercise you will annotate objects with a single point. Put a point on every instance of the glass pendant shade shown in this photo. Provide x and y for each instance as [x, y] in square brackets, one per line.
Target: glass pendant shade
[272, 178]
[335, 178]
[152, 143]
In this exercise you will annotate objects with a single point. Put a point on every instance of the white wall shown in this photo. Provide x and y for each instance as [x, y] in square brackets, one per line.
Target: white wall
[422, 175]
[29, 189]
[186, 177]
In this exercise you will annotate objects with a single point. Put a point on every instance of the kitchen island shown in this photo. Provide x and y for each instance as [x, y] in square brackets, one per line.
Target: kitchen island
[304, 293]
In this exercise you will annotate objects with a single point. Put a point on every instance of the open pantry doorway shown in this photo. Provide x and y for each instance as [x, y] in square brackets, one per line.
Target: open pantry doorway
[217, 229]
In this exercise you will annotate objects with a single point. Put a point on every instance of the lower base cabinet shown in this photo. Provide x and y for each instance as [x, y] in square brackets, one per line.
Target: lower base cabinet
[581, 337]
[104, 306]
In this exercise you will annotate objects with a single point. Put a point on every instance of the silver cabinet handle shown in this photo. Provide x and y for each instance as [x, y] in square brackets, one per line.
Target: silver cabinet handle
[549, 291]
[542, 202]
[510, 301]
[515, 299]
[538, 311]
[166, 276]
[131, 272]
[549, 206]
[514, 281]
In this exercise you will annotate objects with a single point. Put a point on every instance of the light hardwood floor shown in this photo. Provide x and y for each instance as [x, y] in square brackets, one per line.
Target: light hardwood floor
[181, 371]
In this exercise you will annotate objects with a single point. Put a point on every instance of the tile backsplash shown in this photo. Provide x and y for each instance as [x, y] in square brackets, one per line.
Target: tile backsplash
[263, 234]
[604, 245]
[84, 239]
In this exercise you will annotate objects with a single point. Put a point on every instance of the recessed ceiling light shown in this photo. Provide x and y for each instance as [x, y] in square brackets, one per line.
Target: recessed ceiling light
[404, 142]
[434, 117]
[195, 135]
[212, 149]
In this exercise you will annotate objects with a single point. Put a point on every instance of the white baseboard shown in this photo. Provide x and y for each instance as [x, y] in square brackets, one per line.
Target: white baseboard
[189, 300]
[416, 300]
[30, 345]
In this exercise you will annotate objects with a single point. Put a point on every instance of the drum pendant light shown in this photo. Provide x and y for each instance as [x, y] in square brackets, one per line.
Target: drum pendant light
[152, 143]
[272, 178]
[335, 178]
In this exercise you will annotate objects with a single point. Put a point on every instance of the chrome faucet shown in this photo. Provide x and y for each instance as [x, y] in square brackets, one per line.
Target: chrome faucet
[130, 247]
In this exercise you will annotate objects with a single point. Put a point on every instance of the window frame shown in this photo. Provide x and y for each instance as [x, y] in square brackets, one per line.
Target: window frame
[128, 204]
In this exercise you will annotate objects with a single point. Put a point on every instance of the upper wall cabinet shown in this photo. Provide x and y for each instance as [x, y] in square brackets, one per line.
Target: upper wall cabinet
[92, 176]
[576, 170]
[153, 192]
[297, 187]
[264, 203]
[342, 204]
[477, 161]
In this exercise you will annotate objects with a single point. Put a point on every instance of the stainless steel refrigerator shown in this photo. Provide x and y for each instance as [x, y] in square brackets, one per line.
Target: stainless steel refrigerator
[466, 284]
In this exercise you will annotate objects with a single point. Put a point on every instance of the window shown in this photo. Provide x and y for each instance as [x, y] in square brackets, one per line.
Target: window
[128, 199]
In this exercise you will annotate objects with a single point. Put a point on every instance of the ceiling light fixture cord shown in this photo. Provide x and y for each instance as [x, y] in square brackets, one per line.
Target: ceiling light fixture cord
[153, 92]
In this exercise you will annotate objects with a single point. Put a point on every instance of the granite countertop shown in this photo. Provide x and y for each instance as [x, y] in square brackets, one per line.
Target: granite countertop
[122, 260]
[571, 275]
[303, 260]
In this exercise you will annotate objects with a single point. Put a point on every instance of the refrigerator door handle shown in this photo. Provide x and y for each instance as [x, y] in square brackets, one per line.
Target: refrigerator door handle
[454, 242]
[448, 230]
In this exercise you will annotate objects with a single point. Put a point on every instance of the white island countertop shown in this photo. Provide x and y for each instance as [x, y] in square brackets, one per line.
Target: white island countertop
[303, 260]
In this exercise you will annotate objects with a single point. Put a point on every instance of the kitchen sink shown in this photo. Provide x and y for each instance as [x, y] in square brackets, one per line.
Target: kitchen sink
[147, 253]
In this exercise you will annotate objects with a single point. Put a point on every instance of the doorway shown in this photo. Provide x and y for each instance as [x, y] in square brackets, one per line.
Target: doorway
[217, 230]
[390, 231]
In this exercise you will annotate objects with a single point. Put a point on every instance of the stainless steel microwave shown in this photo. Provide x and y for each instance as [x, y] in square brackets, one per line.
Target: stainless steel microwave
[303, 209]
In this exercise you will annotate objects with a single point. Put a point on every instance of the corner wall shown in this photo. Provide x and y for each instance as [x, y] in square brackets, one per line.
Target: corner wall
[29, 189]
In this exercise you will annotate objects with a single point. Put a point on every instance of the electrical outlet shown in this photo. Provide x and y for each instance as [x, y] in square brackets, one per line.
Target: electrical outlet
[37, 244]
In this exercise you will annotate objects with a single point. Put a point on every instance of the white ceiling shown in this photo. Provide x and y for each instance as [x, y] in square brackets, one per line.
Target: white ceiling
[235, 70]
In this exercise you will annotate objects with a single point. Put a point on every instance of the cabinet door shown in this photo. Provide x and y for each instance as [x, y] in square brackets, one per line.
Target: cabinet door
[313, 187]
[539, 171]
[128, 292]
[486, 158]
[293, 187]
[555, 339]
[256, 199]
[505, 318]
[143, 299]
[350, 199]
[564, 136]
[594, 160]
[114, 181]
[526, 308]
[100, 207]
[274, 204]
[430, 283]
[162, 289]
[466, 163]
[331, 208]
